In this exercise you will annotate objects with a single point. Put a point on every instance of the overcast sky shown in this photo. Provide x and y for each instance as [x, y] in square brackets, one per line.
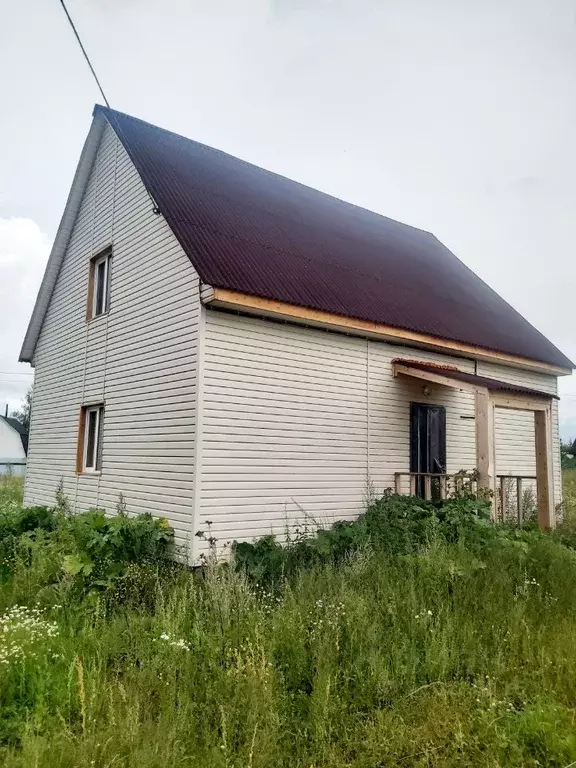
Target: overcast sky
[457, 116]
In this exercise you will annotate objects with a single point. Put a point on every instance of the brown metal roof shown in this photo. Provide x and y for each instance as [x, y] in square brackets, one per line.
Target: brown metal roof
[252, 231]
[452, 372]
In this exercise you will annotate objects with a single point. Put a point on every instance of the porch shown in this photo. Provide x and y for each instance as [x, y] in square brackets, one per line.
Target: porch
[510, 492]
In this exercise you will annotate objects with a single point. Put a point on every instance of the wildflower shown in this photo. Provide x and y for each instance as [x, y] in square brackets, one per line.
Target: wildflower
[181, 644]
[164, 636]
[24, 630]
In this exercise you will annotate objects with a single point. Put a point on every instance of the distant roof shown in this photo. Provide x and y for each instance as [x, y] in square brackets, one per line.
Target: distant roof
[251, 231]
[20, 428]
[451, 372]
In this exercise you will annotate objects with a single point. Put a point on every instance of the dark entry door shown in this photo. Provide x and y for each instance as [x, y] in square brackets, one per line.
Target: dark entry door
[427, 443]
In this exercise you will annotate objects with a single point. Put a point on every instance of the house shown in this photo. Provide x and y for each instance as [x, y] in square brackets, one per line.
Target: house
[13, 446]
[237, 352]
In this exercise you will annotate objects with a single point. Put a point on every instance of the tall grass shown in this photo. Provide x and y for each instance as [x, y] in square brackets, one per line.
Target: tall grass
[445, 657]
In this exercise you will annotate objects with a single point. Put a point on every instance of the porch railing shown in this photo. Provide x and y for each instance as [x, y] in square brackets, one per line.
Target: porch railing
[430, 485]
[516, 498]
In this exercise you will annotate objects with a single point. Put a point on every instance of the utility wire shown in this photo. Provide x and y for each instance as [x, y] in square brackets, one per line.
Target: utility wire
[117, 128]
[84, 52]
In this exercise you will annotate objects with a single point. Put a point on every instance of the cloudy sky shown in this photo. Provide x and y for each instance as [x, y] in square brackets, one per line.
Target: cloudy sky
[457, 116]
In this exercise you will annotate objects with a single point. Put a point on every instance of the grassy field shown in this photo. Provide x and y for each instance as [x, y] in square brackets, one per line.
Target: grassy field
[450, 656]
[569, 477]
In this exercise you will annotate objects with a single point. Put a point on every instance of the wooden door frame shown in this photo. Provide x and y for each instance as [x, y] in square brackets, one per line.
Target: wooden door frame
[486, 404]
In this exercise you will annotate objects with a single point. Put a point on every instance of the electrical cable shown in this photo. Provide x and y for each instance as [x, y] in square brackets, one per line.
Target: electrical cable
[63, 4]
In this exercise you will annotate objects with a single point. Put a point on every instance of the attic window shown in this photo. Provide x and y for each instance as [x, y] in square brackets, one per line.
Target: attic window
[99, 284]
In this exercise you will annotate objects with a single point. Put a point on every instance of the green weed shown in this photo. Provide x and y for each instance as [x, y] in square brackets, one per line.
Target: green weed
[443, 641]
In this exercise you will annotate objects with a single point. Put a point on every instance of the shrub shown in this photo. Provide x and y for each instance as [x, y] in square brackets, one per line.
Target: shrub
[102, 547]
[88, 551]
[392, 525]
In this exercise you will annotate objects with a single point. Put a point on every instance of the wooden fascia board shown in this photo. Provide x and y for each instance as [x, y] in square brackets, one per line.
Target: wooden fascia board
[521, 403]
[243, 302]
[434, 378]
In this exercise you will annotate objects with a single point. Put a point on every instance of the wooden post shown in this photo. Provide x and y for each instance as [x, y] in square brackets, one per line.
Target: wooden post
[443, 486]
[484, 439]
[519, 501]
[503, 498]
[397, 483]
[546, 517]
[427, 487]
[412, 485]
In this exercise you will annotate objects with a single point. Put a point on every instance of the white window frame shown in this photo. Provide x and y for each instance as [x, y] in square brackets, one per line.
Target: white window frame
[104, 259]
[97, 450]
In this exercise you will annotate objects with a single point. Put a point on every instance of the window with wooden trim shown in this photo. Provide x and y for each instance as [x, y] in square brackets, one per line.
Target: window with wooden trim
[89, 457]
[99, 284]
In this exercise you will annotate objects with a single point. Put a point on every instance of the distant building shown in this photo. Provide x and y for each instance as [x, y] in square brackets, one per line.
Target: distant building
[13, 446]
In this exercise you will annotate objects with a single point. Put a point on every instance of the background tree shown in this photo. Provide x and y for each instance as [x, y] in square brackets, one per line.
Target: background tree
[23, 414]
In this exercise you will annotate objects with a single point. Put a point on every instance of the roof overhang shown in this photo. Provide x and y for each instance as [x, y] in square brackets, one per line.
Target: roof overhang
[502, 393]
[62, 238]
[241, 302]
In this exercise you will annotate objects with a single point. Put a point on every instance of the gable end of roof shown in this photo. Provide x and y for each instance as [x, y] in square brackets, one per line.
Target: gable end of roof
[81, 177]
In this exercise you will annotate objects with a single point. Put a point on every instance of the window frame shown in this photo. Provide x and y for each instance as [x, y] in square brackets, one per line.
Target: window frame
[103, 257]
[83, 457]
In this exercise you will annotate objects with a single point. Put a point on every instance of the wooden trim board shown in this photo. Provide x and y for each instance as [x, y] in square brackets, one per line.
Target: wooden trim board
[434, 378]
[81, 436]
[521, 403]
[544, 481]
[226, 299]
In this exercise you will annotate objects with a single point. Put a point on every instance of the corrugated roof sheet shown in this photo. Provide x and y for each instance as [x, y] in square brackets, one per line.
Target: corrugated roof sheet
[249, 230]
[452, 372]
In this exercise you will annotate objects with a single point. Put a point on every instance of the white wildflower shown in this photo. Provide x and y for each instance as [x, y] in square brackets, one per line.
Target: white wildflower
[25, 632]
[181, 644]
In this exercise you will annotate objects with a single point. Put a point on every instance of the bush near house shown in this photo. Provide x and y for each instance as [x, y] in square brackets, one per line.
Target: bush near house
[418, 636]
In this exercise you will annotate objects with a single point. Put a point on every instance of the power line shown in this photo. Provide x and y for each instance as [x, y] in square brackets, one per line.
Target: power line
[84, 52]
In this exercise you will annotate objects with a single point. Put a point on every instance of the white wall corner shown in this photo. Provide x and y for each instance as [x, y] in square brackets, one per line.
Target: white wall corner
[198, 438]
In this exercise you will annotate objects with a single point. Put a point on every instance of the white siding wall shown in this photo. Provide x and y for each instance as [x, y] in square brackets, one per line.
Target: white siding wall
[390, 400]
[140, 359]
[284, 427]
[298, 424]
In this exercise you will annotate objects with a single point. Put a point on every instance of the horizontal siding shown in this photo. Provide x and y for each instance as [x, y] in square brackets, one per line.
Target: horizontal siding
[390, 400]
[284, 428]
[140, 358]
[300, 426]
